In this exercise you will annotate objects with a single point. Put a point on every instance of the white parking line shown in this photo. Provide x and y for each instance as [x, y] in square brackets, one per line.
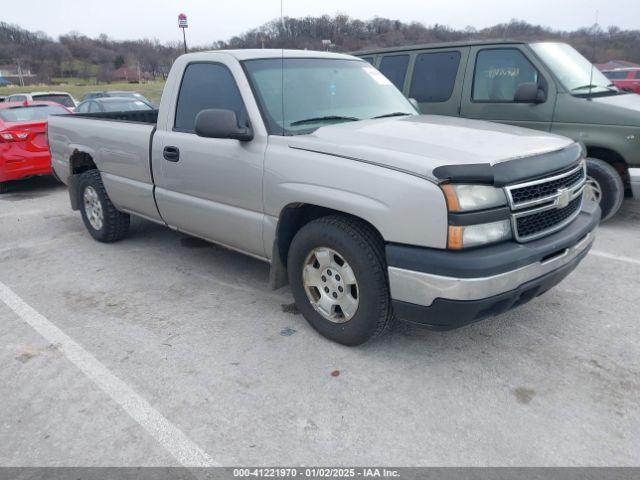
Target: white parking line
[611, 256]
[185, 451]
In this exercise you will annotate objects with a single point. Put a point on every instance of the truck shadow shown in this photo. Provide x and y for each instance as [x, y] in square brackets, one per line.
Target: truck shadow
[30, 188]
[209, 264]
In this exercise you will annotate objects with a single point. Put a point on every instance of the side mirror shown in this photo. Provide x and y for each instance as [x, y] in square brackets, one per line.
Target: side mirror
[415, 104]
[530, 93]
[218, 123]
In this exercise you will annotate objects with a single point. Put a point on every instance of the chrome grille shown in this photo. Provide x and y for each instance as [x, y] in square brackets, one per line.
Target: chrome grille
[542, 190]
[544, 206]
[531, 225]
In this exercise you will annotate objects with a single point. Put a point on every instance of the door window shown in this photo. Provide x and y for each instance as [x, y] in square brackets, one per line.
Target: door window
[204, 86]
[434, 76]
[394, 67]
[499, 73]
[370, 60]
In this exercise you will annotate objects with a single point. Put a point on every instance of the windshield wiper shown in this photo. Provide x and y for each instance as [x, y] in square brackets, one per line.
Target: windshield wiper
[323, 119]
[611, 87]
[394, 114]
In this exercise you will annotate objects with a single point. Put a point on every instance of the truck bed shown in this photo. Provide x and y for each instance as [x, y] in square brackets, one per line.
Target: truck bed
[140, 116]
[118, 143]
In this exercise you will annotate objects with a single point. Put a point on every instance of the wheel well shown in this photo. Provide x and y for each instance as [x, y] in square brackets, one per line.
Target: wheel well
[295, 216]
[614, 159]
[81, 162]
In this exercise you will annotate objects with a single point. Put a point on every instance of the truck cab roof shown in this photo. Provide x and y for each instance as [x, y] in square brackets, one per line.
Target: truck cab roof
[260, 53]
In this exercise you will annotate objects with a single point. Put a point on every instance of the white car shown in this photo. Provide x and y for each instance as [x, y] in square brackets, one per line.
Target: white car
[63, 98]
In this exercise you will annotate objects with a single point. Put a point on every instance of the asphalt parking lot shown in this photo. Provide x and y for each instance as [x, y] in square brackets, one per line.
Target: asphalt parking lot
[165, 350]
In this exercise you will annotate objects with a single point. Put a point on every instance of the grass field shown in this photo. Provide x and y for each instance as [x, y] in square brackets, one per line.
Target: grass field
[151, 90]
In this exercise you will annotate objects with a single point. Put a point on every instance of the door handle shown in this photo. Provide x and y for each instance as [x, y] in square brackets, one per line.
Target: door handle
[171, 154]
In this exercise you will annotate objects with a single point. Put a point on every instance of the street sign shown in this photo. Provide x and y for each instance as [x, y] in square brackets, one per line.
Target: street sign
[182, 21]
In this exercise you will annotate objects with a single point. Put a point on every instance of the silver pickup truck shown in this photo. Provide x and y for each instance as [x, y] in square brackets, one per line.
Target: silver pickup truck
[316, 163]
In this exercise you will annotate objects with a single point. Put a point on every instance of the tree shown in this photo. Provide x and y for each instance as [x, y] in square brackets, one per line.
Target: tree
[77, 55]
[118, 62]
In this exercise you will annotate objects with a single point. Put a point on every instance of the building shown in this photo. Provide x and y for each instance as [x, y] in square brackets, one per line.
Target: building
[129, 75]
[17, 75]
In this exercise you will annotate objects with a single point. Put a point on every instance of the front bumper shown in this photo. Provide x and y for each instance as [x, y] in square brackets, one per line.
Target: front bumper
[634, 174]
[443, 289]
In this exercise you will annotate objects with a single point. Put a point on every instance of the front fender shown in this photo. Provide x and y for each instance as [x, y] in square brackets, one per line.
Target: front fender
[404, 208]
[625, 141]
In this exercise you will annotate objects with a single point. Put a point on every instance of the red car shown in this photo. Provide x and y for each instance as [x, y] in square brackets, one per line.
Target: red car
[24, 151]
[625, 78]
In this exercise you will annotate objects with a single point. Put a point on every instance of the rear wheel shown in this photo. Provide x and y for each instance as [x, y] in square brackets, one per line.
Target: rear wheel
[104, 222]
[604, 186]
[338, 278]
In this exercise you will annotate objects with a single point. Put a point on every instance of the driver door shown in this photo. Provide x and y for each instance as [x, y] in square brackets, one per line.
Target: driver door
[494, 74]
[210, 187]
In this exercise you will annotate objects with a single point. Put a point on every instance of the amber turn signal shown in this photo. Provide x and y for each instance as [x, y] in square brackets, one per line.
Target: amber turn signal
[454, 241]
[452, 198]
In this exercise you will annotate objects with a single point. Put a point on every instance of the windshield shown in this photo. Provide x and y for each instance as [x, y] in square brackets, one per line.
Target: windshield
[573, 71]
[125, 106]
[33, 113]
[65, 100]
[127, 95]
[298, 95]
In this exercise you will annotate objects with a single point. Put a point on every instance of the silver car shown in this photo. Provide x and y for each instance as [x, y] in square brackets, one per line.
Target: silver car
[316, 163]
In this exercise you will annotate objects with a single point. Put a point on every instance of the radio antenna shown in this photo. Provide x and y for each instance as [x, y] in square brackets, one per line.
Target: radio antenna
[282, 62]
[593, 65]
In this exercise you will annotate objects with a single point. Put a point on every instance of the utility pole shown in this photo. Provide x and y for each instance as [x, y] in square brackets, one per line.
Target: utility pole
[183, 24]
[20, 74]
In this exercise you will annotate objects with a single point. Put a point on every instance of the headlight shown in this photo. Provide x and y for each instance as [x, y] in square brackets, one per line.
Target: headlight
[470, 225]
[475, 235]
[467, 198]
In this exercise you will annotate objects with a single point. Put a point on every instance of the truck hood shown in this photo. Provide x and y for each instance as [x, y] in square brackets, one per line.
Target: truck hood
[629, 101]
[627, 105]
[419, 144]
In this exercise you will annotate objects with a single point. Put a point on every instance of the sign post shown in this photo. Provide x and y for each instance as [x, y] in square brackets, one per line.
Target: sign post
[183, 24]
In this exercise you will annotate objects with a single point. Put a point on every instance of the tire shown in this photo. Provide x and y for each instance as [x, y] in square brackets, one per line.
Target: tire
[4, 187]
[96, 205]
[604, 185]
[362, 250]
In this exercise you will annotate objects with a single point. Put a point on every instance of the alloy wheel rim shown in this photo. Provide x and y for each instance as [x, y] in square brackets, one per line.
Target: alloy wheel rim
[331, 285]
[93, 208]
[593, 190]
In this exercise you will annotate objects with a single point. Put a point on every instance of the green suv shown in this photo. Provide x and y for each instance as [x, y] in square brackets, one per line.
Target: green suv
[545, 86]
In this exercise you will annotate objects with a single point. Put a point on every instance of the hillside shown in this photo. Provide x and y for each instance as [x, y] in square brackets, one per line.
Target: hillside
[76, 56]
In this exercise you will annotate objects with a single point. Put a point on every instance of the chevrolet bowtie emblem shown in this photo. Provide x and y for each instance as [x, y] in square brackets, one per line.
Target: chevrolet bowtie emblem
[564, 197]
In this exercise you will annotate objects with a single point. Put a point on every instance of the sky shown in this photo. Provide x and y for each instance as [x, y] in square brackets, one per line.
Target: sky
[211, 20]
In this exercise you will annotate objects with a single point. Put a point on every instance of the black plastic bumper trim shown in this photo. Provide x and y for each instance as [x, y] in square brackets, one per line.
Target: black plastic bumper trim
[446, 314]
[494, 259]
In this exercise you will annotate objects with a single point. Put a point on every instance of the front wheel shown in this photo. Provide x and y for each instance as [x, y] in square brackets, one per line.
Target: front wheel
[338, 278]
[104, 222]
[604, 186]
